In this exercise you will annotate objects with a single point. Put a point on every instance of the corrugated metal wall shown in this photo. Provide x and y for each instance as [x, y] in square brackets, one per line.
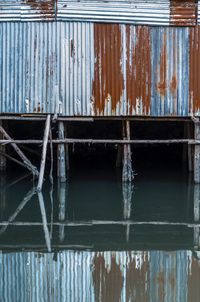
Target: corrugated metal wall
[80, 68]
[98, 276]
[100, 69]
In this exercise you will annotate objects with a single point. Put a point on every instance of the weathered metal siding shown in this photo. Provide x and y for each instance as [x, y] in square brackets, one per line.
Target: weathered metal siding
[99, 276]
[27, 10]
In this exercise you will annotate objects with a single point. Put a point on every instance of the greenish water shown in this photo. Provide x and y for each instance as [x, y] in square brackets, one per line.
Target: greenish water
[94, 239]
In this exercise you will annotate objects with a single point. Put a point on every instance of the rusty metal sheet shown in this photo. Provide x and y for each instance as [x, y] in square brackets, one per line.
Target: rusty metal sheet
[183, 12]
[88, 69]
[194, 75]
[27, 10]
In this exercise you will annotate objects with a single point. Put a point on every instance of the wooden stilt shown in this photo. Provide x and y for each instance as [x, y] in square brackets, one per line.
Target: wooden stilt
[66, 149]
[190, 147]
[197, 154]
[61, 154]
[127, 172]
[26, 161]
[196, 216]
[2, 150]
[44, 152]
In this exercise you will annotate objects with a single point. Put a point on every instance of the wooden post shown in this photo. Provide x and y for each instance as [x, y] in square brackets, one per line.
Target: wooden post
[127, 172]
[2, 149]
[190, 135]
[61, 154]
[44, 152]
[197, 153]
[66, 150]
[196, 216]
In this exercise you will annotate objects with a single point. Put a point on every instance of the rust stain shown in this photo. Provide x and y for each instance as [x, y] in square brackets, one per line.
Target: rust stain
[162, 73]
[136, 278]
[161, 283]
[183, 12]
[173, 84]
[108, 283]
[138, 68]
[194, 76]
[108, 83]
[44, 7]
[193, 281]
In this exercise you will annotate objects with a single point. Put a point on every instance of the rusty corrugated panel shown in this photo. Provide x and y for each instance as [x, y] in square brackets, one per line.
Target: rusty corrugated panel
[80, 68]
[183, 12]
[138, 69]
[27, 10]
[108, 83]
[193, 280]
[194, 76]
[168, 276]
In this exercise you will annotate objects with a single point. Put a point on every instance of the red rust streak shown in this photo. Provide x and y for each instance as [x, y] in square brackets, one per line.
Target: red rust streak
[43, 7]
[183, 12]
[108, 283]
[194, 60]
[162, 84]
[108, 83]
[138, 67]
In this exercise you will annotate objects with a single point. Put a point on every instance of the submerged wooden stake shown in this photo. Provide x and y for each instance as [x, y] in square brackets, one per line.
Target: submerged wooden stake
[44, 152]
[127, 172]
[197, 154]
[26, 161]
[61, 154]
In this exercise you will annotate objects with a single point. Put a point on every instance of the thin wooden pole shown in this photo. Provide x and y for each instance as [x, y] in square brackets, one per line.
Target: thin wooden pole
[51, 148]
[103, 141]
[44, 152]
[25, 160]
[196, 216]
[127, 172]
[62, 197]
[197, 154]
[61, 154]
[190, 135]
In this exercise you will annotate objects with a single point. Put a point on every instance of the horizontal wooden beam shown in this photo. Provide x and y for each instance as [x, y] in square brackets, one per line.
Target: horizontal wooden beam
[102, 141]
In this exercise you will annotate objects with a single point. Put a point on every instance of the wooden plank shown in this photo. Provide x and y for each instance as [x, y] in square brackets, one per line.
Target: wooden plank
[44, 153]
[44, 221]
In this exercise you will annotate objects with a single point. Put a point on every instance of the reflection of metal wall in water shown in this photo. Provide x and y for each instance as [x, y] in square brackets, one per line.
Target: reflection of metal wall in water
[100, 69]
[99, 276]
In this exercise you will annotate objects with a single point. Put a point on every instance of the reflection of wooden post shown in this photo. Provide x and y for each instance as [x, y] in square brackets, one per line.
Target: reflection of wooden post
[62, 197]
[61, 154]
[127, 172]
[127, 190]
[197, 153]
[2, 149]
[196, 216]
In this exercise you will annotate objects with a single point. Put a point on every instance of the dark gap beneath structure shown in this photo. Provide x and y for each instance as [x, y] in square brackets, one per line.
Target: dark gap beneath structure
[104, 155]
